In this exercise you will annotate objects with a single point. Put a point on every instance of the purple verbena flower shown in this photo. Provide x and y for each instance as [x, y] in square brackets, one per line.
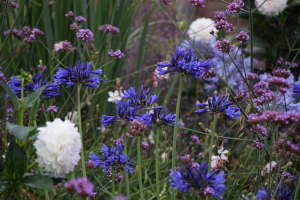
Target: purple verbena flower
[117, 54]
[82, 186]
[80, 19]
[14, 5]
[224, 45]
[75, 27]
[198, 3]
[69, 14]
[85, 35]
[219, 15]
[235, 7]
[109, 28]
[52, 109]
[242, 37]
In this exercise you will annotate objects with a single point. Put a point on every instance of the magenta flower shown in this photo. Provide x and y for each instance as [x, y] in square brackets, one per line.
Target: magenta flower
[85, 35]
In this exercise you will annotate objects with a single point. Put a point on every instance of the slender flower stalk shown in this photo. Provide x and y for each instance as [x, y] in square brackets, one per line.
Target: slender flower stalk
[140, 167]
[175, 130]
[22, 102]
[212, 142]
[80, 131]
[125, 173]
[297, 188]
[157, 161]
[113, 189]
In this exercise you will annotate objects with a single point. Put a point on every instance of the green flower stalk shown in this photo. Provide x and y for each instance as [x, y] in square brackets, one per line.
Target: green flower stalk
[80, 131]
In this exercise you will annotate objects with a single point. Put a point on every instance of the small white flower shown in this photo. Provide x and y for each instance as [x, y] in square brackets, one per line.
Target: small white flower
[58, 147]
[57, 46]
[200, 28]
[72, 116]
[114, 96]
[269, 167]
[271, 7]
[223, 153]
[215, 160]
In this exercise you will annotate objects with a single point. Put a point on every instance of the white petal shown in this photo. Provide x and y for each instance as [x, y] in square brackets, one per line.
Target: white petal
[225, 152]
[110, 99]
[110, 93]
[223, 157]
[116, 93]
[119, 98]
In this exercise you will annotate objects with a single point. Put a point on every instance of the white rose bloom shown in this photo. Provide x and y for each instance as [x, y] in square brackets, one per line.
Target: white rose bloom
[200, 28]
[58, 147]
[271, 7]
[114, 96]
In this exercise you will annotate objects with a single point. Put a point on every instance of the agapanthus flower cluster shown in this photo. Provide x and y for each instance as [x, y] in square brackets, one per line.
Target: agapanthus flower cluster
[282, 193]
[85, 35]
[296, 89]
[126, 112]
[185, 63]
[242, 37]
[198, 179]
[235, 7]
[51, 90]
[79, 74]
[161, 118]
[224, 45]
[117, 54]
[143, 99]
[112, 159]
[109, 28]
[198, 3]
[220, 106]
[82, 186]
[64, 45]
[80, 19]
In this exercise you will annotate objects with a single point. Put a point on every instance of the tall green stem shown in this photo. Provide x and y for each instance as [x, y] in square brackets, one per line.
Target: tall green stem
[140, 166]
[297, 188]
[80, 131]
[10, 190]
[125, 172]
[212, 142]
[22, 103]
[113, 183]
[175, 130]
[157, 161]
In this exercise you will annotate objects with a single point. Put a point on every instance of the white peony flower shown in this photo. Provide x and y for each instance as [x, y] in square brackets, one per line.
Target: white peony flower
[58, 147]
[114, 96]
[200, 28]
[271, 7]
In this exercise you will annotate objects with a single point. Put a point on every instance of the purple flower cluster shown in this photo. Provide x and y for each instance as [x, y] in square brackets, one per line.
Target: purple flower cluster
[109, 28]
[144, 146]
[242, 37]
[252, 77]
[79, 74]
[137, 128]
[282, 193]
[198, 3]
[117, 54]
[167, 2]
[235, 7]
[118, 177]
[52, 109]
[159, 118]
[185, 63]
[75, 27]
[112, 158]
[85, 35]
[80, 19]
[258, 145]
[69, 14]
[219, 15]
[224, 24]
[195, 139]
[198, 179]
[82, 186]
[224, 45]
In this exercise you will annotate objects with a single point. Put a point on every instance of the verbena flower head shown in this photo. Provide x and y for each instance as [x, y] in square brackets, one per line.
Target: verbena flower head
[51, 90]
[79, 74]
[82, 186]
[161, 118]
[235, 7]
[85, 35]
[125, 112]
[198, 3]
[69, 14]
[109, 28]
[220, 106]
[112, 158]
[185, 63]
[198, 178]
[80, 19]
[282, 193]
[58, 146]
[296, 89]
[143, 99]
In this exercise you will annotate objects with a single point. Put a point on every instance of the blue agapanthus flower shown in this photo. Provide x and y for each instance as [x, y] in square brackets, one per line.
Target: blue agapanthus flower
[79, 74]
[296, 89]
[221, 106]
[143, 99]
[198, 178]
[126, 112]
[184, 63]
[51, 90]
[282, 193]
[161, 118]
[112, 158]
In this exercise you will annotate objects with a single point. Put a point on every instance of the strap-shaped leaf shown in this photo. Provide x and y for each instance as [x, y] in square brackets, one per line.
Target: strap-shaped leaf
[11, 95]
[30, 99]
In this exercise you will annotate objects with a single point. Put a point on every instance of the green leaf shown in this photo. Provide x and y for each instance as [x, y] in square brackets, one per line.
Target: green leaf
[34, 110]
[38, 181]
[294, 3]
[21, 132]
[15, 165]
[32, 98]
[11, 95]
